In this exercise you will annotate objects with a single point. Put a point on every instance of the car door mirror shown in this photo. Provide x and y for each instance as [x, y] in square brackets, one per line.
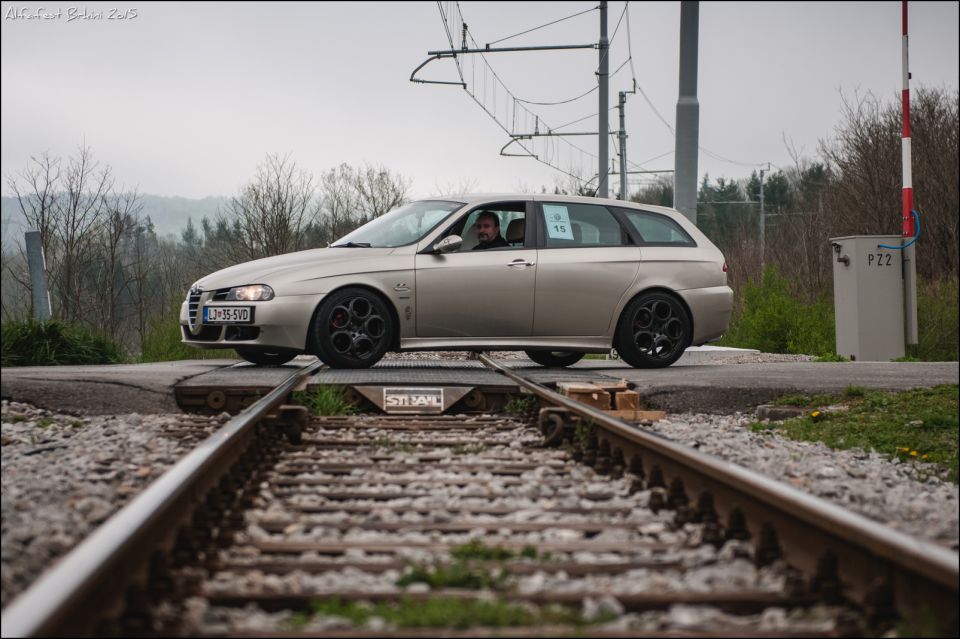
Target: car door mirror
[448, 244]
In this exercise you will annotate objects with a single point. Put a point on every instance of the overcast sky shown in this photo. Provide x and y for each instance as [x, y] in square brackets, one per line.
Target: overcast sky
[187, 99]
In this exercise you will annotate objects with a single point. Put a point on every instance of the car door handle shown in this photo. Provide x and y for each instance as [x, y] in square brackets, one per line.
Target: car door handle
[520, 263]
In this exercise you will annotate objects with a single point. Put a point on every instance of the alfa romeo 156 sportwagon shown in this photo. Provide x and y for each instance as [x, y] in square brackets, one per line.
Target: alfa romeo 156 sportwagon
[555, 276]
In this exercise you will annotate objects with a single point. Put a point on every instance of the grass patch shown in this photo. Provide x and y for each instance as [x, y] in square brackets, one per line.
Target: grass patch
[918, 425]
[443, 612]
[53, 343]
[520, 405]
[325, 400]
[831, 357]
[161, 343]
[468, 449]
[455, 575]
[476, 549]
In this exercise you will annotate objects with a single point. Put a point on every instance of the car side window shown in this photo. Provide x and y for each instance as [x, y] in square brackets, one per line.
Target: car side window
[654, 229]
[494, 227]
[576, 225]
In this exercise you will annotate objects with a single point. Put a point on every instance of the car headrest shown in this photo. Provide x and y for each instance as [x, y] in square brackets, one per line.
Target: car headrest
[515, 231]
[577, 232]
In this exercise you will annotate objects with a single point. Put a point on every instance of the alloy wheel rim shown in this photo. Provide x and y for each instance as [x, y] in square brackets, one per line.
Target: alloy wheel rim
[357, 329]
[658, 329]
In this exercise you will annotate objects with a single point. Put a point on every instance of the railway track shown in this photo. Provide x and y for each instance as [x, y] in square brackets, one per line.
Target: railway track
[563, 520]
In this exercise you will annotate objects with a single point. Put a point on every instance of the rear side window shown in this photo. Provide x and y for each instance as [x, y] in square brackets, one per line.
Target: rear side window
[654, 229]
[573, 225]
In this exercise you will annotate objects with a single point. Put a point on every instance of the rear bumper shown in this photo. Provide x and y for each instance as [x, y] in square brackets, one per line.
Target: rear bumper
[711, 308]
[282, 322]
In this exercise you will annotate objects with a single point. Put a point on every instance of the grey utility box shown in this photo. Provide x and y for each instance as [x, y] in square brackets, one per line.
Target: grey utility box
[868, 297]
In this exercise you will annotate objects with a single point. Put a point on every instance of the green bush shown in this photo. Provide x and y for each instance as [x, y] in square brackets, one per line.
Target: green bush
[772, 319]
[53, 343]
[937, 321]
[161, 343]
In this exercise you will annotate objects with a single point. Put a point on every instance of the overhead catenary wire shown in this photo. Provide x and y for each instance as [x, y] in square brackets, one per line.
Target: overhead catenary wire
[550, 151]
[509, 111]
[542, 26]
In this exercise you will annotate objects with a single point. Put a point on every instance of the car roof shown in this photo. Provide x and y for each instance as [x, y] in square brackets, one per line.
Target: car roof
[477, 198]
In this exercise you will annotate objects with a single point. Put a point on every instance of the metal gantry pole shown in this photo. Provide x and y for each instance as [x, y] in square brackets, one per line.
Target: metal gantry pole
[909, 227]
[688, 115]
[603, 76]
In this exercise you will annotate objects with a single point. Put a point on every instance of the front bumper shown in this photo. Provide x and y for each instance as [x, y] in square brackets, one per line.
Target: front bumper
[282, 322]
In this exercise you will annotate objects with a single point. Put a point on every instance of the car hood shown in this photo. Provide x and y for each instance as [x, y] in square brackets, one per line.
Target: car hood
[283, 270]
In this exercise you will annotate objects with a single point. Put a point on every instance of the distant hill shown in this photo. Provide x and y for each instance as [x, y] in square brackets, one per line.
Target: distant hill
[168, 214]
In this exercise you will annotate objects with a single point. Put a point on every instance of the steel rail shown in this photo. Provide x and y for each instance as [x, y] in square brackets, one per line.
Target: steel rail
[68, 598]
[871, 560]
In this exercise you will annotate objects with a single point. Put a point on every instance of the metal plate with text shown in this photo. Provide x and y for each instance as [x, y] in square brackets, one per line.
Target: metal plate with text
[413, 400]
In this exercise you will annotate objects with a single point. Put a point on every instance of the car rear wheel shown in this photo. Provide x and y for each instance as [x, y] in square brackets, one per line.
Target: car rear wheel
[653, 331]
[555, 358]
[353, 328]
[267, 357]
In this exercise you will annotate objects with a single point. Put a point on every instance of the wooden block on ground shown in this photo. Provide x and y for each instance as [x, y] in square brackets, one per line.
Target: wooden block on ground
[586, 393]
[627, 400]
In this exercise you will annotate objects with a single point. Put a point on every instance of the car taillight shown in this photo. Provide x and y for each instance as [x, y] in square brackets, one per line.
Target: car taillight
[725, 267]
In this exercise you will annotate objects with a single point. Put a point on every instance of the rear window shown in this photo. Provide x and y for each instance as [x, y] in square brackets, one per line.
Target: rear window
[655, 229]
[574, 225]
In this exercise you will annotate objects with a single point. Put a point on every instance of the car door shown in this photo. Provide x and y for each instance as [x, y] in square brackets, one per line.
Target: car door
[586, 263]
[474, 293]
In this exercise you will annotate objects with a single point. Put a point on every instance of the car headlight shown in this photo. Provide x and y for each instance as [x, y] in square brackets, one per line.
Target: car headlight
[251, 293]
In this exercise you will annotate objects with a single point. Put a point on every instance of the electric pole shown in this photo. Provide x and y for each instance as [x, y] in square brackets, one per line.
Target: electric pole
[763, 223]
[623, 147]
[604, 80]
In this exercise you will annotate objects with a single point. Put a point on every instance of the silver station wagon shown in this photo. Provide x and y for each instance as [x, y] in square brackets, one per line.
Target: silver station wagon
[554, 276]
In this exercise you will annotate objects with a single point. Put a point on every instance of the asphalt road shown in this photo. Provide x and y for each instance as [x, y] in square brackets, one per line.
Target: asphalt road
[700, 386]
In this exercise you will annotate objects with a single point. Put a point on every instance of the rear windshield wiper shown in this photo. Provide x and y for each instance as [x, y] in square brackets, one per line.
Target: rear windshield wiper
[352, 245]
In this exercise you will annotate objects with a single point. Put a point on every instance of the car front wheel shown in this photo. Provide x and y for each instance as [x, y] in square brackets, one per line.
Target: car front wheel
[267, 357]
[352, 329]
[555, 358]
[653, 331]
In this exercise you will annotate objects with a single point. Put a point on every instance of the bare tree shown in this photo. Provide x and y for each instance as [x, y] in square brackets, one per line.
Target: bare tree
[339, 204]
[350, 197]
[271, 213]
[68, 207]
[865, 196]
[36, 190]
[379, 191]
[461, 187]
[111, 278]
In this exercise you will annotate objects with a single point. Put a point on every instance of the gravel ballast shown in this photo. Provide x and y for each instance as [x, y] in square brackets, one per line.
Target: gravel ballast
[63, 475]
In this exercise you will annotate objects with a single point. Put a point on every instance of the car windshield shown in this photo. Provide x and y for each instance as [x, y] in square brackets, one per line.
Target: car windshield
[400, 226]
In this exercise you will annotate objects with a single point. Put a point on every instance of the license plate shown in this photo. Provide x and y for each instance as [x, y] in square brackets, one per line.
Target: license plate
[413, 400]
[227, 314]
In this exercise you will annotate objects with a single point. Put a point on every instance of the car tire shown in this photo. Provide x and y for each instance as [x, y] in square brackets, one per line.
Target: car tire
[267, 357]
[653, 331]
[352, 328]
[555, 358]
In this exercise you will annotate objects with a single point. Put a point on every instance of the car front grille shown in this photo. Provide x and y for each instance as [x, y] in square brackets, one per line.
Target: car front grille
[194, 297]
[193, 307]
